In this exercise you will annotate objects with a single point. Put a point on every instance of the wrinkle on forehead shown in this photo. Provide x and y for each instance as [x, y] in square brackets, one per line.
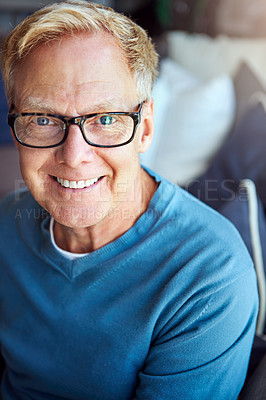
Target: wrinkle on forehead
[42, 105]
[70, 88]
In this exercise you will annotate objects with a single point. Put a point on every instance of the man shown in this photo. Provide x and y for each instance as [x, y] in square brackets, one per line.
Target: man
[114, 283]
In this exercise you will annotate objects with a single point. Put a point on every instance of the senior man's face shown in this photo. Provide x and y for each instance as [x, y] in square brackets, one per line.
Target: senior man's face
[71, 77]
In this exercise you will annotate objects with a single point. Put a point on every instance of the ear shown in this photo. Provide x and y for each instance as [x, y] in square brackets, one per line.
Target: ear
[147, 126]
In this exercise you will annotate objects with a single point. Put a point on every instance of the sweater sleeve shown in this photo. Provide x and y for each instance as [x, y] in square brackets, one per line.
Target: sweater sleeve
[203, 351]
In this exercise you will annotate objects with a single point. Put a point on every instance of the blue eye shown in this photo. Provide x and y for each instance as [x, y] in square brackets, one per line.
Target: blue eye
[43, 121]
[106, 120]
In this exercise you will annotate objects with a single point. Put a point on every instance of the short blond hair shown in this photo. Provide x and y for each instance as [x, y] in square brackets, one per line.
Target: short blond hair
[71, 18]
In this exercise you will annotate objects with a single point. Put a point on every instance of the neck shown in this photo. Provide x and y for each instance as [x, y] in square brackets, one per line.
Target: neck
[114, 225]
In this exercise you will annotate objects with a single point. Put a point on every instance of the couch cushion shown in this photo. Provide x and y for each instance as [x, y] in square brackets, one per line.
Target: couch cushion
[208, 57]
[192, 120]
[242, 156]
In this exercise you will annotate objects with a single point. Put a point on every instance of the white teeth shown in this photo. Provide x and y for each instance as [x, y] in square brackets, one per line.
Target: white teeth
[76, 184]
[80, 184]
[73, 184]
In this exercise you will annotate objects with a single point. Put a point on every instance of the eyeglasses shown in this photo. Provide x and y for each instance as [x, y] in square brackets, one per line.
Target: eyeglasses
[44, 130]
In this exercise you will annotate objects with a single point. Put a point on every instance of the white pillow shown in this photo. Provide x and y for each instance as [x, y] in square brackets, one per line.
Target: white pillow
[192, 119]
[207, 57]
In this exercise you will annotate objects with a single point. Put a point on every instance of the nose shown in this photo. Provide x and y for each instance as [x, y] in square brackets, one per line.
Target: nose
[74, 150]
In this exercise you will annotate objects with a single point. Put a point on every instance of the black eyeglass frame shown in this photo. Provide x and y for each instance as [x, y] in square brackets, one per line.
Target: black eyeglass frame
[80, 120]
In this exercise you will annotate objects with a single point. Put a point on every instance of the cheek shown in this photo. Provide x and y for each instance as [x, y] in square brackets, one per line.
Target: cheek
[126, 171]
[122, 162]
[31, 162]
[124, 159]
[27, 162]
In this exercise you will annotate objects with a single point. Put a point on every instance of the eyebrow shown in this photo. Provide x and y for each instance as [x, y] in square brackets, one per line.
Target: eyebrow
[37, 104]
[42, 106]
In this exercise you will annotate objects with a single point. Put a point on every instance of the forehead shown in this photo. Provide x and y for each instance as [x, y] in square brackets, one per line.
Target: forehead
[89, 68]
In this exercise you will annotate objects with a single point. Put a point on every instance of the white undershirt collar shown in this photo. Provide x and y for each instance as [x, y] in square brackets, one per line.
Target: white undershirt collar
[67, 254]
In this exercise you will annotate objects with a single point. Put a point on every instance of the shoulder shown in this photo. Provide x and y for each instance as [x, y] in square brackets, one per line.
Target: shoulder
[15, 199]
[198, 240]
[19, 207]
[191, 218]
[11, 202]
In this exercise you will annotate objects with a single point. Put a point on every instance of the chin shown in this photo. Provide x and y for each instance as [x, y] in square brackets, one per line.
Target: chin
[77, 218]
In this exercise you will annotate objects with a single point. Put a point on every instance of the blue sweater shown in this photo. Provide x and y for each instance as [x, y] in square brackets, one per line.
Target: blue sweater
[166, 311]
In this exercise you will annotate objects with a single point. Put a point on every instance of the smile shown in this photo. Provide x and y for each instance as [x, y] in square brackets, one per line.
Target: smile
[76, 184]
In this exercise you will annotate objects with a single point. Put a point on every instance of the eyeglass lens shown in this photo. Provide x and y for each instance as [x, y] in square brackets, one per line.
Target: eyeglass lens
[105, 129]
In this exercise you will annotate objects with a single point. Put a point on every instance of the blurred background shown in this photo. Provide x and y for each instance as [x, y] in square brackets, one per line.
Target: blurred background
[233, 17]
